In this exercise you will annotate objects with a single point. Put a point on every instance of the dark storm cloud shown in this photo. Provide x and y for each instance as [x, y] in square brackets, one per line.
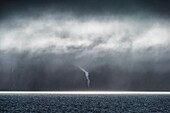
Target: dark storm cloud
[123, 44]
[81, 7]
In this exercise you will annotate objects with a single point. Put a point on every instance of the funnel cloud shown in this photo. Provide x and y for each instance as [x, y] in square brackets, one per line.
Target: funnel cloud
[86, 75]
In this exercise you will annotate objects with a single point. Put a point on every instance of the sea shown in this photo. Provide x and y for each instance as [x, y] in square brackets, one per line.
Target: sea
[84, 103]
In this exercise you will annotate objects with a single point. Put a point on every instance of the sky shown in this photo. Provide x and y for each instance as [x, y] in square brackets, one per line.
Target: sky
[84, 45]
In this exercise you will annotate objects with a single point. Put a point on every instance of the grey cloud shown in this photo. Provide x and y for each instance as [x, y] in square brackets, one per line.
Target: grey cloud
[81, 7]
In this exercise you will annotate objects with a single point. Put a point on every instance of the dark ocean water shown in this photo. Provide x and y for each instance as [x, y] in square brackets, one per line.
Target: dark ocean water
[55, 103]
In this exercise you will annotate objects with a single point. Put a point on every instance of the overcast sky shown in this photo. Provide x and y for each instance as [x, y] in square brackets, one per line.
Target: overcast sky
[123, 45]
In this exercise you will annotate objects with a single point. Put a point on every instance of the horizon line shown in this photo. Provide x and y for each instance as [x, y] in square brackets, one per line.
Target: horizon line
[90, 92]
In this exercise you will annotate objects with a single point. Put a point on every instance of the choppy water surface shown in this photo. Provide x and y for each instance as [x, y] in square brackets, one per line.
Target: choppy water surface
[40, 103]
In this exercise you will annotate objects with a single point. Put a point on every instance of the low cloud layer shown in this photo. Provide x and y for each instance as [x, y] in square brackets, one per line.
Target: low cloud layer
[64, 34]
